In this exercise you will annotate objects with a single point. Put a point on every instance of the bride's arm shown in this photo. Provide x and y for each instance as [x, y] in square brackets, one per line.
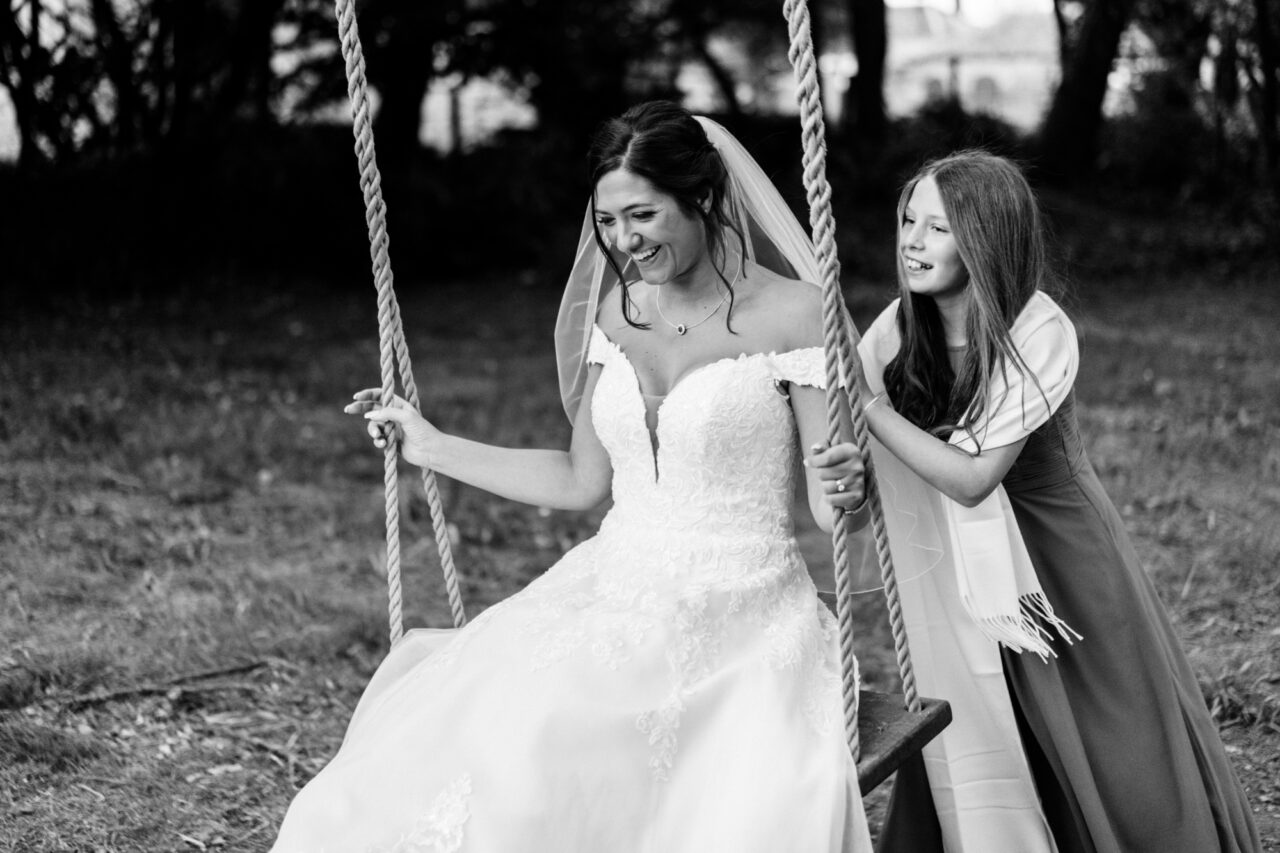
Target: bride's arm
[825, 467]
[796, 311]
[576, 479]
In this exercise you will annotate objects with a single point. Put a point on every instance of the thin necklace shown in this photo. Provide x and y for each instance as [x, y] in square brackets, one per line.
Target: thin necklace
[683, 328]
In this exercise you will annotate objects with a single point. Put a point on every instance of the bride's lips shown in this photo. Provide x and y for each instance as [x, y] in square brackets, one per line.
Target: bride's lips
[646, 256]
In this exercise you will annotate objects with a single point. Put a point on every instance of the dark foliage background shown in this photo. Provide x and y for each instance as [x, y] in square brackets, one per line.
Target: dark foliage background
[158, 137]
[191, 566]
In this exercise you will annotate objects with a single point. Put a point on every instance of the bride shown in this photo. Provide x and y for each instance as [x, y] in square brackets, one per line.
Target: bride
[672, 684]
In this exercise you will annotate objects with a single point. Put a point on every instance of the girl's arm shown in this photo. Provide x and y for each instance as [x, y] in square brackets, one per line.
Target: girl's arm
[964, 477]
[576, 479]
[825, 467]
[1047, 345]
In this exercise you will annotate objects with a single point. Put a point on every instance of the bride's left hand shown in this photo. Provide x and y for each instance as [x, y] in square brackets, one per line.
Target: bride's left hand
[842, 474]
[401, 422]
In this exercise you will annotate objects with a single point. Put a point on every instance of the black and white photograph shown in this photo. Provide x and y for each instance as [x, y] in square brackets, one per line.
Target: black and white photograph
[640, 426]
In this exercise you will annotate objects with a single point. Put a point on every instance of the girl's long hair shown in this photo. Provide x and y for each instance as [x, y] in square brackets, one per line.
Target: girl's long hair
[998, 231]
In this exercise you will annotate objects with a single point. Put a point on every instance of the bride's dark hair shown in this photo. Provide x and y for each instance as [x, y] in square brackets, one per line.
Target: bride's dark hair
[663, 143]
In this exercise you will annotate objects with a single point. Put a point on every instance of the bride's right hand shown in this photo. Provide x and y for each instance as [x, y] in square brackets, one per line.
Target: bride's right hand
[417, 436]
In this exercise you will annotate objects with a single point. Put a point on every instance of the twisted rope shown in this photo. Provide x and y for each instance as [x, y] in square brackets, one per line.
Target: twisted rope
[838, 349]
[394, 350]
[438, 525]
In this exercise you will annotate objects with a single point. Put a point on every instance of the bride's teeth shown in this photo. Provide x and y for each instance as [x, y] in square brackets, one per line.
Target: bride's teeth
[646, 255]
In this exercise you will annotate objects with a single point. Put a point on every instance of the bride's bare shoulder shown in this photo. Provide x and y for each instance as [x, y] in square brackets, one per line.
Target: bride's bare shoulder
[791, 309]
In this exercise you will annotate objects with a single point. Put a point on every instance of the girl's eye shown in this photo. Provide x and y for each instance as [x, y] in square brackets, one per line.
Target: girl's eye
[908, 220]
[604, 222]
[645, 215]
[939, 229]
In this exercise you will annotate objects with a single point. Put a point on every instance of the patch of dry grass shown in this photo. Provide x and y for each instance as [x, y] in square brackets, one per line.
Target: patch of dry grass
[191, 571]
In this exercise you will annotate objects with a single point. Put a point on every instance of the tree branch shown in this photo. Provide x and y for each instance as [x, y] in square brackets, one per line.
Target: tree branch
[76, 703]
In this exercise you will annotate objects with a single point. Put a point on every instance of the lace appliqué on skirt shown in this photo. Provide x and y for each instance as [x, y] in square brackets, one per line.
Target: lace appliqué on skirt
[440, 830]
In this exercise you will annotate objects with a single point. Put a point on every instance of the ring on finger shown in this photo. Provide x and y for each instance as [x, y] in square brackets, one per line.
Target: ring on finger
[839, 485]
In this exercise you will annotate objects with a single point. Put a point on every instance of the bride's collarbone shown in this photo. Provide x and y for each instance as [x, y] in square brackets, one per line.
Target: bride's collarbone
[661, 362]
[755, 322]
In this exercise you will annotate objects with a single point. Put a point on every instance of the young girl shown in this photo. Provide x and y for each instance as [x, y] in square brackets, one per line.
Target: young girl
[1078, 724]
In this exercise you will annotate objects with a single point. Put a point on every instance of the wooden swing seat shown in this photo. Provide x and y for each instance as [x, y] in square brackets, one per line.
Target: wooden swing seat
[890, 734]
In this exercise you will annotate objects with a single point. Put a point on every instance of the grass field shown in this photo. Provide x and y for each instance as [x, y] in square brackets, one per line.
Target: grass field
[191, 563]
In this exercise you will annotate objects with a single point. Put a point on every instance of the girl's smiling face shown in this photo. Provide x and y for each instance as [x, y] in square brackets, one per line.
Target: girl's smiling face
[927, 249]
[664, 242]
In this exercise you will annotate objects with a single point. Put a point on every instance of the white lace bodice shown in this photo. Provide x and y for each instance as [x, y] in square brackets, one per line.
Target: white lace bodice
[723, 461]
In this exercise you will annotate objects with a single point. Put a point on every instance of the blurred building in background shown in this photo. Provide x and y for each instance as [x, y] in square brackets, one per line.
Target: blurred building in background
[1002, 62]
[1008, 68]
[995, 57]
[458, 115]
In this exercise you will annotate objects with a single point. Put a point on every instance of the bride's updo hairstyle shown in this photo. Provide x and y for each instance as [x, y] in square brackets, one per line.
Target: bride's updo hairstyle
[663, 143]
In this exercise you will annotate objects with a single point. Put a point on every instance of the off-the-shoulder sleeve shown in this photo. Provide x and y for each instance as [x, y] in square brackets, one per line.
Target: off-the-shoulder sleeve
[878, 345]
[805, 366]
[600, 348]
[1020, 404]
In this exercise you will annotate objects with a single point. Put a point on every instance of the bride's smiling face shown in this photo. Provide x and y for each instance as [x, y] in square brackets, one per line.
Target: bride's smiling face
[665, 242]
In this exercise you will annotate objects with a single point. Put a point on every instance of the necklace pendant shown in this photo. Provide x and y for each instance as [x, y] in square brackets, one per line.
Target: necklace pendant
[681, 328]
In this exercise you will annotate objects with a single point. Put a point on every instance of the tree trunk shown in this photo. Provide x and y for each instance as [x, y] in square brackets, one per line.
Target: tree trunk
[1064, 34]
[455, 119]
[402, 85]
[1264, 37]
[118, 62]
[401, 65]
[20, 59]
[864, 104]
[1069, 137]
[178, 76]
[724, 80]
[248, 88]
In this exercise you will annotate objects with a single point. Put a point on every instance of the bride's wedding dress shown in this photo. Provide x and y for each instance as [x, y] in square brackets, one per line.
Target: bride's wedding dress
[672, 684]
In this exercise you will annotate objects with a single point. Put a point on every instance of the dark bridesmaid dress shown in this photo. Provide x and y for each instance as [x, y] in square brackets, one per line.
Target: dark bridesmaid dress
[1124, 754]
